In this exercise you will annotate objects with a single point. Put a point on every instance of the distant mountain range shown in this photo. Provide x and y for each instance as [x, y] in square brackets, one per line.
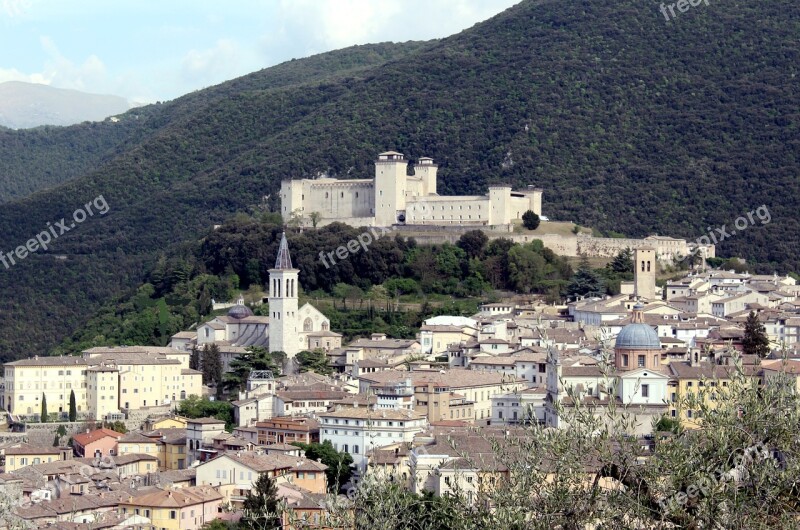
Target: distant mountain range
[630, 124]
[26, 105]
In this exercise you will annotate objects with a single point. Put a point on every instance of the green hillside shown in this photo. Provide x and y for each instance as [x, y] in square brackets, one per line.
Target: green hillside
[630, 123]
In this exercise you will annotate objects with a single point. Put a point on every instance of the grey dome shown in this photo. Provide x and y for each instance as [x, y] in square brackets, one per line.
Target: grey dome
[240, 311]
[638, 336]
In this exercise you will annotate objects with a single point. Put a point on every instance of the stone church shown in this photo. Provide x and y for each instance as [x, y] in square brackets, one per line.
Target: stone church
[288, 328]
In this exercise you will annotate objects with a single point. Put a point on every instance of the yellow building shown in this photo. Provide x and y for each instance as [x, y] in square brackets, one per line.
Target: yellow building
[27, 380]
[105, 381]
[182, 509]
[25, 455]
[167, 445]
[172, 448]
[701, 380]
[135, 442]
[166, 422]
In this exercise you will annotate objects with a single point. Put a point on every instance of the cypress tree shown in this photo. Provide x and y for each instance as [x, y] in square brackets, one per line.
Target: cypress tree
[73, 408]
[44, 408]
[755, 340]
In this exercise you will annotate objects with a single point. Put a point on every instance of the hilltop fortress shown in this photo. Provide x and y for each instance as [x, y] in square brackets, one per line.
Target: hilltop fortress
[411, 205]
[395, 198]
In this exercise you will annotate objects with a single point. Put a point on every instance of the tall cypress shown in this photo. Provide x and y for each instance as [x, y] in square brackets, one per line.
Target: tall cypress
[73, 408]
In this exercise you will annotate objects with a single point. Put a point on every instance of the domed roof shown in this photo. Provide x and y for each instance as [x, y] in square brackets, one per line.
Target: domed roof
[240, 311]
[637, 336]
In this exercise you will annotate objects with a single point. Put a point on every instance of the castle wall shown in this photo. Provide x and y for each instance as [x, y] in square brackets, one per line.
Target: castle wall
[339, 198]
[563, 245]
[448, 210]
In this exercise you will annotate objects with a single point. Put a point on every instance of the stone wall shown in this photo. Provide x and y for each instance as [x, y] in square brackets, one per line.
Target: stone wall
[564, 245]
[135, 418]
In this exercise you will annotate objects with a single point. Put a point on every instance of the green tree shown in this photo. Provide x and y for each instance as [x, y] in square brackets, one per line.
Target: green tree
[530, 220]
[585, 281]
[315, 217]
[73, 408]
[116, 426]
[194, 358]
[755, 340]
[473, 243]
[339, 463]
[212, 365]
[202, 407]
[44, 414]
[260, 507]
[314, 361]
[526, 268]
[622, 263]
[254, 358]
[60, 432]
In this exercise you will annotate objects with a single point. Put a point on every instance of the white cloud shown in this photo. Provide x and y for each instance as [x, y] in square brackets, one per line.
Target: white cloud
[212, 64]
[14, 8]
[61, 72]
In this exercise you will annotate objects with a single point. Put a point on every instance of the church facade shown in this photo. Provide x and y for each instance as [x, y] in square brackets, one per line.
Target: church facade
[393, 197]
[293, 329]
[288, 328]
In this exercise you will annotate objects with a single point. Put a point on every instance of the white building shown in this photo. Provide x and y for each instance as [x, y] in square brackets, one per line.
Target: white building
[514, 408]
[361, 429]
[393, 197]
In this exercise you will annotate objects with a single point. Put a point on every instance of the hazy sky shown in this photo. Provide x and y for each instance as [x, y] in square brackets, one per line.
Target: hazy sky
[149, 50]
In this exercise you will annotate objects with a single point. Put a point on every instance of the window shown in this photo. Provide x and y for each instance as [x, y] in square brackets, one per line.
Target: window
[640, 361]
[645, 390]
[173, 514]
[625, 359]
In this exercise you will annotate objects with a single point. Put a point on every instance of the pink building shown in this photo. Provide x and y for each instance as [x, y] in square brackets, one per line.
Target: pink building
[98, 443]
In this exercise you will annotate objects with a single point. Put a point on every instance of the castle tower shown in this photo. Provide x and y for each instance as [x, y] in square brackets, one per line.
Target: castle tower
[283, 285]
[644, 273]
[426, 170]
[390, 188]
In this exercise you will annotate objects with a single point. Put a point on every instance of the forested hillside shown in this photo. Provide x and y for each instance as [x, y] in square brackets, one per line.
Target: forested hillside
[630, 123]
[40, 158]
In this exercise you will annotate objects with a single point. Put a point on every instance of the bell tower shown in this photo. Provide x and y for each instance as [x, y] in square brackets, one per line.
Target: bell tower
[283, 317]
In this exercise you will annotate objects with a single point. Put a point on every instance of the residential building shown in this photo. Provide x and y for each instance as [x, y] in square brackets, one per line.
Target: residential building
[235, 474]
[288, 429]
[97, 443]
[441, 395]
[200, 433]
[23, 455]
[180, 509]
[360, 429]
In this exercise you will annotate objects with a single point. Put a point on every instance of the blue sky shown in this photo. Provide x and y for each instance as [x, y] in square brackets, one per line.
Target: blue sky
[147, 50]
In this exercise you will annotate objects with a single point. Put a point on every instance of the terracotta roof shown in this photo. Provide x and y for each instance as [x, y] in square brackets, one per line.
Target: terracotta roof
[87, 438]
[177, 498]
[28, 449]
[270, 462]
[381, 414]
[454, 378]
